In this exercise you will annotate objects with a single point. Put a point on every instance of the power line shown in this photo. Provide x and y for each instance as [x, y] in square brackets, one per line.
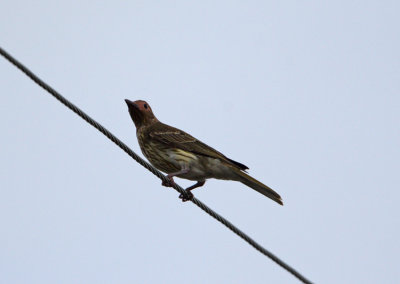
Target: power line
[145, 164]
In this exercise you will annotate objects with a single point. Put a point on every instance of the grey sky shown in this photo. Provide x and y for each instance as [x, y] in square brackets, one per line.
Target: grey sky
[304, 93]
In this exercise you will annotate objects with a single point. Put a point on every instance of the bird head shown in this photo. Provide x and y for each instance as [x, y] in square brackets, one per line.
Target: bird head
[140, 112]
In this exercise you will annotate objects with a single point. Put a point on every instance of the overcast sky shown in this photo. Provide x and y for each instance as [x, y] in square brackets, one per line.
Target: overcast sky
[306, 94]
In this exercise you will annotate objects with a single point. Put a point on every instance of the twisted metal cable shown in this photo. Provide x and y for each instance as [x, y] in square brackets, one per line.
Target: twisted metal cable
[145, 164]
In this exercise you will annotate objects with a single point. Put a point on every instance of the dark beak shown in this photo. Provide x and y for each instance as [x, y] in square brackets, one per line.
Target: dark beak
[131, 105]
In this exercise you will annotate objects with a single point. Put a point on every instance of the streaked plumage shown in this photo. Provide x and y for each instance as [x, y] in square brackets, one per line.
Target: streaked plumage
[177, 153]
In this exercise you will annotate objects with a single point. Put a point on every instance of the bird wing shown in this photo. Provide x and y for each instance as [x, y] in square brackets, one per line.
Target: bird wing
[177, 138]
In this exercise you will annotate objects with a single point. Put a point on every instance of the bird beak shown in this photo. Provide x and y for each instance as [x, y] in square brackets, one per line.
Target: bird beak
[131, 105]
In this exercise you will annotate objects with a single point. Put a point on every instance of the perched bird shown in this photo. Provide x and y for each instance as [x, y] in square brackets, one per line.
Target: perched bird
[177, 153]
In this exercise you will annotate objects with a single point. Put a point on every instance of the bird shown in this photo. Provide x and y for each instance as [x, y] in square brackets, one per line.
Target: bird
[178, 154]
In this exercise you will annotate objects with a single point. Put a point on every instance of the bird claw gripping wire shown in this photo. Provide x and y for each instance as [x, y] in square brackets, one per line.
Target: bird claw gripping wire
[184, 196]
[187, 196]
[169, 183]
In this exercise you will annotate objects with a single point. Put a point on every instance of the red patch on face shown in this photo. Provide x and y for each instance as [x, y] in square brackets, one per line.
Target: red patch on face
[142, 105]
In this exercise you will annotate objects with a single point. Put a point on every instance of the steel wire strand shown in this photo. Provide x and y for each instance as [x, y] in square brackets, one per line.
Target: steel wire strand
[153, 170]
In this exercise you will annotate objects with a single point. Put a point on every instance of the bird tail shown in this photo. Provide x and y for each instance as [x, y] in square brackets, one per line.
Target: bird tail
[258, 186]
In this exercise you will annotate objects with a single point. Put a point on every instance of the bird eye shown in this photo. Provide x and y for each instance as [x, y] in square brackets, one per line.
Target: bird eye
[145, 106]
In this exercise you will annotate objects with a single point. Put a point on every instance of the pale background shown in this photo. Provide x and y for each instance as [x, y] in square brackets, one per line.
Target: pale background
[304, 93]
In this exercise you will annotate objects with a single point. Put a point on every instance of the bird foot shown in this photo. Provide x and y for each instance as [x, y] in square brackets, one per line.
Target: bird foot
[187, 196]
[170, 182]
